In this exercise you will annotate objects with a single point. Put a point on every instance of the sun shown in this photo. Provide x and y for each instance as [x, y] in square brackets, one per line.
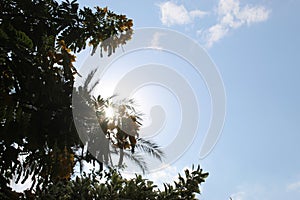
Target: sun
[109, 112]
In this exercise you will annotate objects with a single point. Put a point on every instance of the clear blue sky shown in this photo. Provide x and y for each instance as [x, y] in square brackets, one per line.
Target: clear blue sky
[256, 47]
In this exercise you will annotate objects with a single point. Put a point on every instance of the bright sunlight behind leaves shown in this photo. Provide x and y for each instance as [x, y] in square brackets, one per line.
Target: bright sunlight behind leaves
[109, 112]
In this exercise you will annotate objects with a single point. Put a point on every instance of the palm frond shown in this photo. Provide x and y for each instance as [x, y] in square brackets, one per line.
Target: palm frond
[138, 160]
[88, 80]
[112, 96]
[150, 147]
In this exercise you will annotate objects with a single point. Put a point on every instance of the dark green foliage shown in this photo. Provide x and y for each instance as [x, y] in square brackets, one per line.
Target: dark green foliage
[185, 188]
[111, 185]
[37, 38]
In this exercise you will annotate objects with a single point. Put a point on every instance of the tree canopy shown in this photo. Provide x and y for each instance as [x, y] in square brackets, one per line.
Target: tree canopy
[38, 138]
[37, 75]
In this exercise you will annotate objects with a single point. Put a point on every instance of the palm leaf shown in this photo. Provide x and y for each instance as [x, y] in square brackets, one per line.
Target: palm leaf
[150, 147]
[138, 160]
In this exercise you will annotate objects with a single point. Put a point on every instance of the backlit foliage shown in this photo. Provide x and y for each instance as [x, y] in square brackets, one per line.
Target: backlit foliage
[122, 128]
[110, 185]
[111, 127]
[38, 40]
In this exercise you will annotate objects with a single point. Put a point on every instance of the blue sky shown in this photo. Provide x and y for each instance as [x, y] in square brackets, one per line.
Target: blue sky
[255, 45]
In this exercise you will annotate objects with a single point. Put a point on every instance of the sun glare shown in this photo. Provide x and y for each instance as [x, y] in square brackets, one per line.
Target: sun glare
[109, 112]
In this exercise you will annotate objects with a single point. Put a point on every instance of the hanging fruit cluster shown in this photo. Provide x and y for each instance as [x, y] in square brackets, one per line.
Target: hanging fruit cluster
[122, 127]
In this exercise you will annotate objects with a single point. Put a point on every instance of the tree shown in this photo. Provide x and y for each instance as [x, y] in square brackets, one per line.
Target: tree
[119, 122]
[36, 82]
[111, 185]
[38, 138]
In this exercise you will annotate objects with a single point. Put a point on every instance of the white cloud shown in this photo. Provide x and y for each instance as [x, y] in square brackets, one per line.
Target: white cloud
[232, 15]
[215, 33]
[293, 186]
[228, 6]
[197, 13]
[167, 174]
[251, 15]
[253, 192]
[155, 42]
[173, 14]
[238, 196]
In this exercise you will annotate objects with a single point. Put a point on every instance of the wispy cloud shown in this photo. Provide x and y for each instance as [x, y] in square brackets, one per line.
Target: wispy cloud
[165, 175]
[252, 191]
[155, 42]
[238, 196]
[293, 186]
[173, 14]
[232, 15]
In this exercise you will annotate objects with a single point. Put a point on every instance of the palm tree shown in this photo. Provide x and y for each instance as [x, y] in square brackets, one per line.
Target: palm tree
[111, 128]
[121, 124]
